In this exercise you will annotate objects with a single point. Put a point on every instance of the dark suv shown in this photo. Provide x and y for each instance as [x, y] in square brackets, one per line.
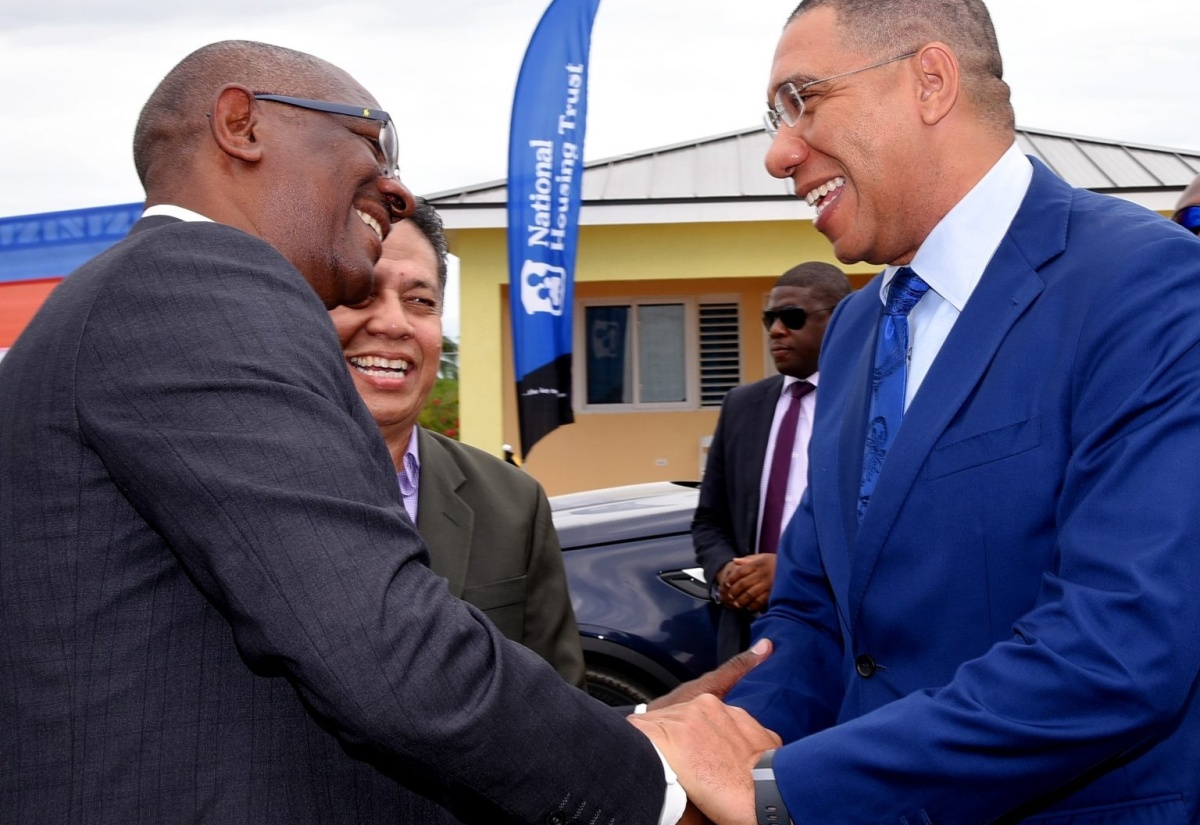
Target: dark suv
[645, 619]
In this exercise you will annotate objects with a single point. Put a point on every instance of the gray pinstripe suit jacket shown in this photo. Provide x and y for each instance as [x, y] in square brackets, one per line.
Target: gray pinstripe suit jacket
[212, 608]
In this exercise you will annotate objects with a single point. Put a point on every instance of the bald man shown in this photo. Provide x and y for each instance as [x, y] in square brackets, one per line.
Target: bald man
[213, 607]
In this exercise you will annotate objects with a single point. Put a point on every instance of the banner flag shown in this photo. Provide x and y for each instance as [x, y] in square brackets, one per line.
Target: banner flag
[545, 172]
[51, 244]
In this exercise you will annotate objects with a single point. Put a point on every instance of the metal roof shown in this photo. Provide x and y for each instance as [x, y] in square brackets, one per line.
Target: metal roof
[729, 167]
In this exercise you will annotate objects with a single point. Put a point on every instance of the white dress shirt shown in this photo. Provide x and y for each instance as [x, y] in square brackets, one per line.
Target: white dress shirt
[798, 473]
[172, 211]
[952, 259]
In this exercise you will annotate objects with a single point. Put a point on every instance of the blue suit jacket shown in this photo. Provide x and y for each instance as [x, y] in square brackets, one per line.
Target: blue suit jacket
[1014, 630]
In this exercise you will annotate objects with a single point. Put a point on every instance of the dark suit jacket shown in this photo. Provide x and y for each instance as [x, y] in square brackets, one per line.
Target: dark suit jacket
[488, 528]
[1015, 628]
[726, 522]
[213, 609]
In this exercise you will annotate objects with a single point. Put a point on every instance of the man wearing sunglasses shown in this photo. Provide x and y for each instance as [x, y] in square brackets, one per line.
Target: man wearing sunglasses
[213, 607]
[1187, 210]
[748, 493]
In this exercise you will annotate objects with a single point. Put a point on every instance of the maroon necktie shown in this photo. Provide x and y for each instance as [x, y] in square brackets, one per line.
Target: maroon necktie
[781, 467]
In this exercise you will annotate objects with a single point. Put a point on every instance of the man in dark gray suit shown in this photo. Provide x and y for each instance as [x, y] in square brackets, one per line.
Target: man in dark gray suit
[212, 607]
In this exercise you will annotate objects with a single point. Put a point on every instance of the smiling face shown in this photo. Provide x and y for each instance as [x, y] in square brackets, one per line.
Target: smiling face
[855, 154]
[795, 351]
[330, 205]
[392, 341]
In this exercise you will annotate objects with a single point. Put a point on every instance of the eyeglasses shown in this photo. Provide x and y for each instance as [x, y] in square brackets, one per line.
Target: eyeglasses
[789, 98]
[793, 318]
[1188, 218]
[388, 142]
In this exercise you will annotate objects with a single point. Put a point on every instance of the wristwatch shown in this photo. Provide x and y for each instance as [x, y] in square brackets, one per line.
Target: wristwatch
[768, 802]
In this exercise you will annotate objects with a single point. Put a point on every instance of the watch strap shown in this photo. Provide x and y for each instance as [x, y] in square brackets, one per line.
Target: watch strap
[768, 802]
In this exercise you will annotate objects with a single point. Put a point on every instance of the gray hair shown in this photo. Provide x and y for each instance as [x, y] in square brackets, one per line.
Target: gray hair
[429, 222]
[887, 28]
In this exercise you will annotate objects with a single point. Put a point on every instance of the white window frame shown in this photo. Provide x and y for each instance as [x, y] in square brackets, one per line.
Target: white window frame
[691, 354]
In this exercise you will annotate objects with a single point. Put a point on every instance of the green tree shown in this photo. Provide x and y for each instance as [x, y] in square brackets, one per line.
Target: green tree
[441, 410]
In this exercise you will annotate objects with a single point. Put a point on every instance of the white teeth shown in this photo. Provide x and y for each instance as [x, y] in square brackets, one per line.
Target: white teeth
[373, 364]
[821, 191]
[371, 222]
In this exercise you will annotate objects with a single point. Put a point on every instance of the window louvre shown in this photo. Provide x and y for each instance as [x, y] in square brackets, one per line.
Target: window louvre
[720, 356]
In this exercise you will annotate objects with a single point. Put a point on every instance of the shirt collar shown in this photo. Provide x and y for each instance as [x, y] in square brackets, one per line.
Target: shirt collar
[172, 211]
[789, 380]
[409, 475]
[952, 259]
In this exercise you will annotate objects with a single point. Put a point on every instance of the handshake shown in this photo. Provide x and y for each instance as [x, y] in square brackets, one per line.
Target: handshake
[711, 746]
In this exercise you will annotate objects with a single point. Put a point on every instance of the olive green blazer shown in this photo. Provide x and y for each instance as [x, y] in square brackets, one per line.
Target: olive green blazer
[488, 527]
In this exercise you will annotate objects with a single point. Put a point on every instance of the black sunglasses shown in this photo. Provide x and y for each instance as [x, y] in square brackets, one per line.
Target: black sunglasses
[793, 317]
[1188, 218]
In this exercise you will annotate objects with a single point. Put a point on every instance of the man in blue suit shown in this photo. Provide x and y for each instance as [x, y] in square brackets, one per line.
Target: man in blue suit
[993, 611]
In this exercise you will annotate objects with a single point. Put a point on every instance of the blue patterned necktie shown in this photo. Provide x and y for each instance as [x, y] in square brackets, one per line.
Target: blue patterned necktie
[889, 378]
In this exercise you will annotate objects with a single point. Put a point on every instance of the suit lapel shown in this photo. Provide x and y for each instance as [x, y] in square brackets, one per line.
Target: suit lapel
[445, 521]
[1008, 286]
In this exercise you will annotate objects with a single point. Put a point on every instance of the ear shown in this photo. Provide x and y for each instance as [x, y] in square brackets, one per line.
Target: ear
[937, 84]
[234, 121]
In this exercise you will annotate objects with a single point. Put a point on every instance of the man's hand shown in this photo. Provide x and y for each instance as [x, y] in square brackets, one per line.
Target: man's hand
[722, 581]
[712, 747]
[717, 682]
[745, 583]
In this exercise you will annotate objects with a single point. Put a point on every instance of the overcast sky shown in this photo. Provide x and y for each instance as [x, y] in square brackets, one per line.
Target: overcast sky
[76, 72]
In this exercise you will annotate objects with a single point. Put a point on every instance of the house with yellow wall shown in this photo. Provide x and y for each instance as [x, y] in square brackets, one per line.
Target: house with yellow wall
[678, 248]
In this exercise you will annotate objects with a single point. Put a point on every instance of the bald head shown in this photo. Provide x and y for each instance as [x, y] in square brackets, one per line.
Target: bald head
[174, 119]
[317, 184]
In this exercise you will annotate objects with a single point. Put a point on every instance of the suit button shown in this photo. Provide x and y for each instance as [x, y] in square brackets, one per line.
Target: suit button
[556, 818]
[865, 666]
